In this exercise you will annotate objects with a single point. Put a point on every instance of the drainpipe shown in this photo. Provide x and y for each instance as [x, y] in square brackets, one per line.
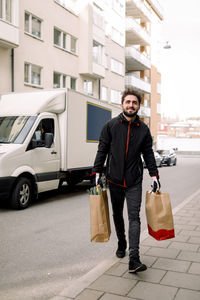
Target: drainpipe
[99, 88]
[12, 70]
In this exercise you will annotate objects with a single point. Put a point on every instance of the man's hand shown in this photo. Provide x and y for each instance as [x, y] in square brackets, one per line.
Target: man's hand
[155, 185]
[96, 179]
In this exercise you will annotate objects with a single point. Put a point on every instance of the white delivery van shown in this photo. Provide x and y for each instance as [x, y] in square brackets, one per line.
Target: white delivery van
[47, 138]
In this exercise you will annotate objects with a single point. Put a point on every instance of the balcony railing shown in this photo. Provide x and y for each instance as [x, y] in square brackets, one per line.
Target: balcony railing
[137, 9]
[137, 83]
[98, 71]
[135, 60]
[9, 35]
[136, 34]
[156, 7]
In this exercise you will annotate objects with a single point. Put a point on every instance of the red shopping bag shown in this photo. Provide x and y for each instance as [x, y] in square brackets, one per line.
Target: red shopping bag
[159, 216]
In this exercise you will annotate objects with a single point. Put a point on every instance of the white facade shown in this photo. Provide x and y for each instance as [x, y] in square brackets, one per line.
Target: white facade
[75, 44]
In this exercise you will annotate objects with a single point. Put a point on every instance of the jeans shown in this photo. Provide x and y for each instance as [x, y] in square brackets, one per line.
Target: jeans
[133, 197]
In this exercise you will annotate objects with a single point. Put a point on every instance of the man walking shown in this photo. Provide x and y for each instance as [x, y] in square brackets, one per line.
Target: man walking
[122, 141]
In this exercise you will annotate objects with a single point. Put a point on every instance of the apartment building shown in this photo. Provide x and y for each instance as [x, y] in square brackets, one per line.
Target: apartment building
[143, 21]
[63, 43]
[96, 47]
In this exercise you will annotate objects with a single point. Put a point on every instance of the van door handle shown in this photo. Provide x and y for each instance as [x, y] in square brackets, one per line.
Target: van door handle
[53, 152]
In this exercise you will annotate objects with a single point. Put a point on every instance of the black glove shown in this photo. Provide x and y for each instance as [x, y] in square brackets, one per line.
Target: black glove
[155, 185]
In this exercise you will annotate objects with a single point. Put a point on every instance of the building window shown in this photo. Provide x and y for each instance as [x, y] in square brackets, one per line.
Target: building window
[117, 66]
[97, 16]
[117, 36]
[118, 6]
[104, 91]
[158, 87]
[116, 96]
[106, 61]
[57, 37]
[65, 41]
[6, 10]
[32, 25]
[59, 80]
[97, 52]
[73, 83]
[32, 74]
[88, 87]
[158, 108]
[73, 44]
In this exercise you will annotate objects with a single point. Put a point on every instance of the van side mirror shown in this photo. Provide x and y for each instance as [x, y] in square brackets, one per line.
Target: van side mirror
[33, 143]
[48, 140]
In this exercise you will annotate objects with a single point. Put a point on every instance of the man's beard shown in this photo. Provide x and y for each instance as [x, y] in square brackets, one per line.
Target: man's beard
[130, 115]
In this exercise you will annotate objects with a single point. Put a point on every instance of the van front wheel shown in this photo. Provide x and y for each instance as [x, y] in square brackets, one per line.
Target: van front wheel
[22, 194]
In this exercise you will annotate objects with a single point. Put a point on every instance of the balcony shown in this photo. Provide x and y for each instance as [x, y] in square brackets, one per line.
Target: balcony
[135, 60]
[98, 71]
[137, 9]
[9, 24]
[156, 7]
[144, 112]
[9, 35]
[136, 34]
[137, 83]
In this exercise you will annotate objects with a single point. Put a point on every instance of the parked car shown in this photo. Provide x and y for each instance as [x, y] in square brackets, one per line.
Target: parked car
[158, 159]
[168, 157]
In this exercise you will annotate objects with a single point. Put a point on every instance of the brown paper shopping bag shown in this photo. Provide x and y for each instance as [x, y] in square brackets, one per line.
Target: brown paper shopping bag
[159, 216]
[99, 217]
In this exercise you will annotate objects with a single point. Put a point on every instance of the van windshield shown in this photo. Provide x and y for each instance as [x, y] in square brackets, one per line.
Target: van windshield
[14, 129]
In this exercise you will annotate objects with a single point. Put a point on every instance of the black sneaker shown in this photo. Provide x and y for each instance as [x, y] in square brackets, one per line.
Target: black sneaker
[121, 250]
[136, 266]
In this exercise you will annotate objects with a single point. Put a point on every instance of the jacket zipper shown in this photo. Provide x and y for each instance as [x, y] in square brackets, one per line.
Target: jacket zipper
[127, 143]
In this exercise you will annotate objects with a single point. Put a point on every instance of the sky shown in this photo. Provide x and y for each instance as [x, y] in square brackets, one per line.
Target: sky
[180, 65]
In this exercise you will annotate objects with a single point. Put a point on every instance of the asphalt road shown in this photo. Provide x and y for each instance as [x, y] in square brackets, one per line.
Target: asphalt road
[47, 246]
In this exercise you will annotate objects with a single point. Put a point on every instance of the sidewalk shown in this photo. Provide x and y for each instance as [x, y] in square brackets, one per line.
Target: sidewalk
[173, 266]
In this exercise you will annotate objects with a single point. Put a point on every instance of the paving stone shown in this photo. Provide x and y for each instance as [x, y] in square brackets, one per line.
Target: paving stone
[187, 294]
[125, 260]
[114, 285]
[185, 214]
[190, 233]
[181, 238]
[194, 221]
[154, 243]
[60, 298]
[184, 246]
[151, 291]
[114, 297]
[172, 264]
[194, 240]
[89, 295]
[180, 222]
[118, 269]
[182, 280]
[148, 260]
[177, 217]
[185, 227]
[150, 275]
[195, 269]
[189, 256]
[169, 253]
[144, 249]
[198, 228]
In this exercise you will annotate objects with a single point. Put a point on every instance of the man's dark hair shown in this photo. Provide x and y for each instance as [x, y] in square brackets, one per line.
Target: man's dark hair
[131, 92]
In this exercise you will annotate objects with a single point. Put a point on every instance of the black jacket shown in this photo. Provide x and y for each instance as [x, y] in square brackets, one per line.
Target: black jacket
[122, 143]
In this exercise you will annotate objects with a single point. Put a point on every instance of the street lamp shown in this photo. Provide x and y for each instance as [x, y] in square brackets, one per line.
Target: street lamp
[167, 45]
